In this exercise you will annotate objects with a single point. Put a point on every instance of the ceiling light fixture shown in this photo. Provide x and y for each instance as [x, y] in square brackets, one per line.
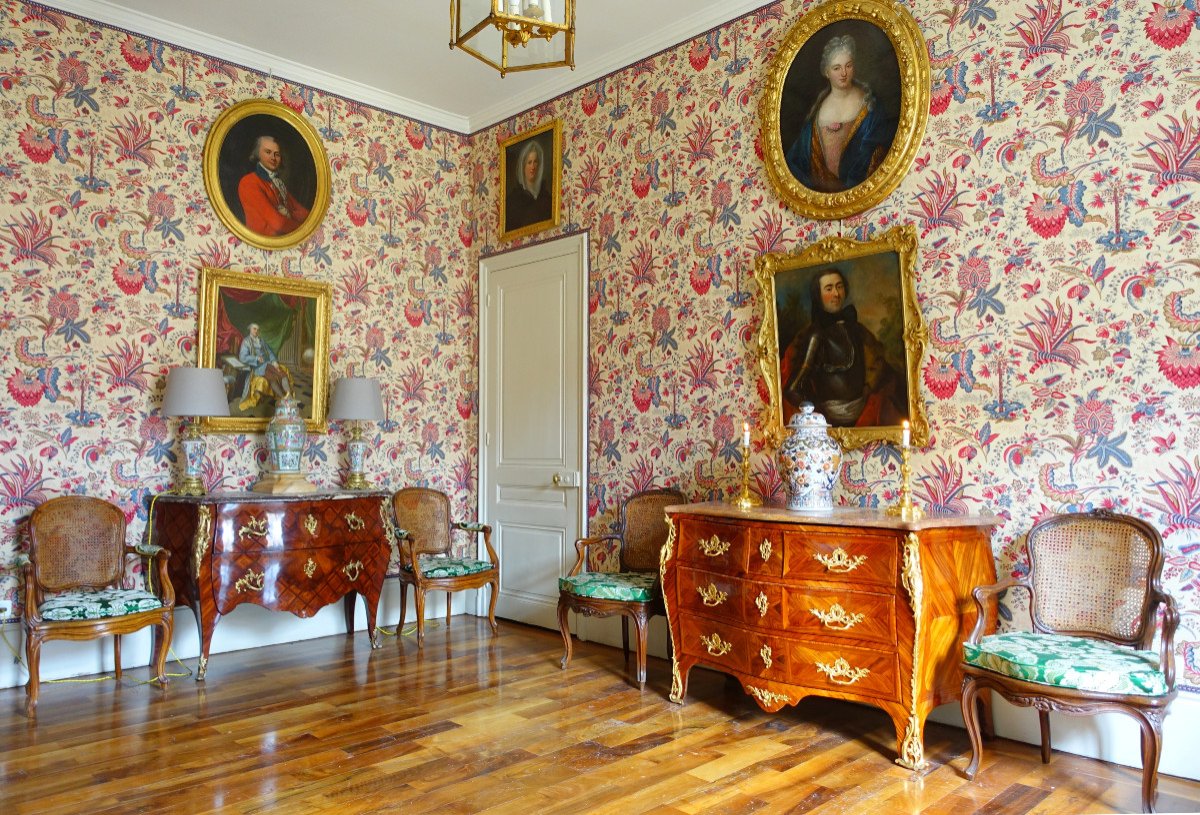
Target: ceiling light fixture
[515, 35]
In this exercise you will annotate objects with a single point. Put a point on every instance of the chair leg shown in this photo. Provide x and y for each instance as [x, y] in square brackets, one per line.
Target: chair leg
[564, 628]
[1151, 752]
[970, 714]
[1044, 721]
[162, 638]
[33, 658]
[449, 605]
[495, 584]
[987, 721]
[419, 593]
[403, 606]
[625, 639]
[117, 655]
[639, 629]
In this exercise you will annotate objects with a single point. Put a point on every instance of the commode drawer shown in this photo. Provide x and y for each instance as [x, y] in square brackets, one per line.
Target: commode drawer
[854, 558]
[732, 599]
[712, 545]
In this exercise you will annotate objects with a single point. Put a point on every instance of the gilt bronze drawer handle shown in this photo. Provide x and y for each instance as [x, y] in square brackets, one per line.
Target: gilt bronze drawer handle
[837, 617]
[712, 596]
[762, 603]
[354, 522]
[714, 546]
[310, 524]
[715, 645]
[255, 526]
[841, 673]
[353, 569]
[251, 581]
[764, 549]
[840, 561]
[310, 568]
[765, 653]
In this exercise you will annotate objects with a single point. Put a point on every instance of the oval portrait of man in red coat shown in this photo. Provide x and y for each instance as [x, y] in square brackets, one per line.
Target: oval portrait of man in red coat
[267, 174]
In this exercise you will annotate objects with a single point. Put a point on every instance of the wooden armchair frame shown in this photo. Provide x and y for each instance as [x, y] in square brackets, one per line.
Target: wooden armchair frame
[98, 527]
[652, 503]
[424, 527]
[1139, 632]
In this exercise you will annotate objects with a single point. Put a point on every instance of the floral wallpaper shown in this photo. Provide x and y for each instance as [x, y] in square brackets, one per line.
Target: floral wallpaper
[1054, 194]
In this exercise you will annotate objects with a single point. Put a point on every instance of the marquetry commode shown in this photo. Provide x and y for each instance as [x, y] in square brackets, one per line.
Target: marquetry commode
[851, 604]
[294, 553]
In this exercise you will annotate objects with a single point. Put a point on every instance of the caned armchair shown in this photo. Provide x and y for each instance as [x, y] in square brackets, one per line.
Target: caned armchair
[424, 530]
[618, 573]
[1094, 598]
[74, 579]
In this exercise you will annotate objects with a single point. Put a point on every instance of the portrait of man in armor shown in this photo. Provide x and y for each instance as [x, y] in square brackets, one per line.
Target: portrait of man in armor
[841, 343]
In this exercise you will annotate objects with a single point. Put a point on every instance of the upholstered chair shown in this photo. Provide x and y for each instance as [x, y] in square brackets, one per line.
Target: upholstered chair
[618, 573]
[74, 583]
[423, 533]
[1094, 598]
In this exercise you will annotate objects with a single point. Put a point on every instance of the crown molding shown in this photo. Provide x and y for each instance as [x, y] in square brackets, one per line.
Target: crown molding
[705, 19]
[207, 45]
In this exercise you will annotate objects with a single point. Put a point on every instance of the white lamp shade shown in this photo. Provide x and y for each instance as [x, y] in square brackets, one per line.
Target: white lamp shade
[356, 397]
[195, 392]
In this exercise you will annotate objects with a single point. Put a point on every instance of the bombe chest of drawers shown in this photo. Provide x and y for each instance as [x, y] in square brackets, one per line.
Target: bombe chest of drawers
[851, 604]
[294, 553]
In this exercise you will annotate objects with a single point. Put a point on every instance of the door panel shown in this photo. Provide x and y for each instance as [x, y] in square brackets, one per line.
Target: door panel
[533, 420]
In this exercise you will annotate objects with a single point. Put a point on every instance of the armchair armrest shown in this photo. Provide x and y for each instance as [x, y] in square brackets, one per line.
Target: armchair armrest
[1166, 643]
[159, 556]
[31, 592]
[487, 537]
[980, 594]
[21, 560]
[581, 547]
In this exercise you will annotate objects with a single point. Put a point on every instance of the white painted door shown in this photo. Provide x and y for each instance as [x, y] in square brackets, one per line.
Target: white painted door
[533, 419]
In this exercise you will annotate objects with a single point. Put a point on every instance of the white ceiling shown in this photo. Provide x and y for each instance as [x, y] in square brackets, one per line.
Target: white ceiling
[394, 54]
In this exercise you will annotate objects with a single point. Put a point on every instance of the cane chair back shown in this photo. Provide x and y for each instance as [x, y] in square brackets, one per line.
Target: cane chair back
[1092, 575]
[77, 542]
[643, 528]
[425, 515]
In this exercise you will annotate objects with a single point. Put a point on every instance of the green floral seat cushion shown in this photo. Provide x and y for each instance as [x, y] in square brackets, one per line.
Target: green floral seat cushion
[96, 604]
[1069, 662]
[433, 566]
[629, 586]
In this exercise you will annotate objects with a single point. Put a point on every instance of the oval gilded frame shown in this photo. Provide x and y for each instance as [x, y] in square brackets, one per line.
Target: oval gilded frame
[912, 61]
[226, 160]
[846, 254]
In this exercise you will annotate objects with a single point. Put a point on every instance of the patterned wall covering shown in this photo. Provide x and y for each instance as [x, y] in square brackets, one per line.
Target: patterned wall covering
[1055, 195]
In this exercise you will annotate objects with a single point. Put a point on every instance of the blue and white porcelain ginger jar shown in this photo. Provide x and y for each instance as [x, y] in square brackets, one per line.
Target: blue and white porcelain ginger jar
[809, 460]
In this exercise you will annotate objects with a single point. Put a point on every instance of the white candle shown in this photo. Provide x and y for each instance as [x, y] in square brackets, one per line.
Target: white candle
[745, 434]
[905, 434]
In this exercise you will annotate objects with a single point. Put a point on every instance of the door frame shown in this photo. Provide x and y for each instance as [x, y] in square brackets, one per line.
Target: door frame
[526, 254]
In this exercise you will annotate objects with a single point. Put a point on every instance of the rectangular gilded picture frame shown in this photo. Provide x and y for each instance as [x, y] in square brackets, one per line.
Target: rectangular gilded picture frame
[842, 329]
[267, 335]
[531, 181]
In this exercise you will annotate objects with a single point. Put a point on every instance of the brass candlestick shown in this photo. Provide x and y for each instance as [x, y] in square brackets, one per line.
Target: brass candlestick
[905, 507]
[747, 499]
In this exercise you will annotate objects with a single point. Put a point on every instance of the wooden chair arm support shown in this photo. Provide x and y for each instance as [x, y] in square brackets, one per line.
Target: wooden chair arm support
[32, 592]
[486, 530]
[980, 595]
[148, 550]
[581, 546]
[1166, 644]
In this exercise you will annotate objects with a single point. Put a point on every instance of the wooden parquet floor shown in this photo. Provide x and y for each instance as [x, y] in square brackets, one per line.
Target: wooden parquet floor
[476, 724]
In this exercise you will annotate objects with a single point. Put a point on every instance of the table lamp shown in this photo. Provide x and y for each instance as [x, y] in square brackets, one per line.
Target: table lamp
[356, 399]
[192, 393]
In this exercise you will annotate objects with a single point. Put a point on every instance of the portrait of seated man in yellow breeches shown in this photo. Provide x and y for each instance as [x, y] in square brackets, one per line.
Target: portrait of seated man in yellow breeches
[268, 376]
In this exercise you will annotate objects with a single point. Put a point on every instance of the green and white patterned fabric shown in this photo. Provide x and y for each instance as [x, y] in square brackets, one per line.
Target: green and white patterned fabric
[433, 566]
[1069, 662]
[630, 586]
[97, 604]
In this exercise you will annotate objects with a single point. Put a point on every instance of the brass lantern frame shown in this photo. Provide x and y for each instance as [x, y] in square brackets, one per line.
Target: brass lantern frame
[516, 31]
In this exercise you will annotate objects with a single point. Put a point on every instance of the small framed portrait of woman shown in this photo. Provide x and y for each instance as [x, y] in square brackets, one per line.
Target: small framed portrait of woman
[266, 173]
[531, 181]
[843, 331]
[844, 107]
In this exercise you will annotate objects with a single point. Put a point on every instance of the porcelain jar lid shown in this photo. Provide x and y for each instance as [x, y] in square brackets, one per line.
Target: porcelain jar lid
[807, 417]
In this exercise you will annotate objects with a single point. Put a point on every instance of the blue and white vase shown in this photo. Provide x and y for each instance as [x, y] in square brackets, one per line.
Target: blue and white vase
[809, 460]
